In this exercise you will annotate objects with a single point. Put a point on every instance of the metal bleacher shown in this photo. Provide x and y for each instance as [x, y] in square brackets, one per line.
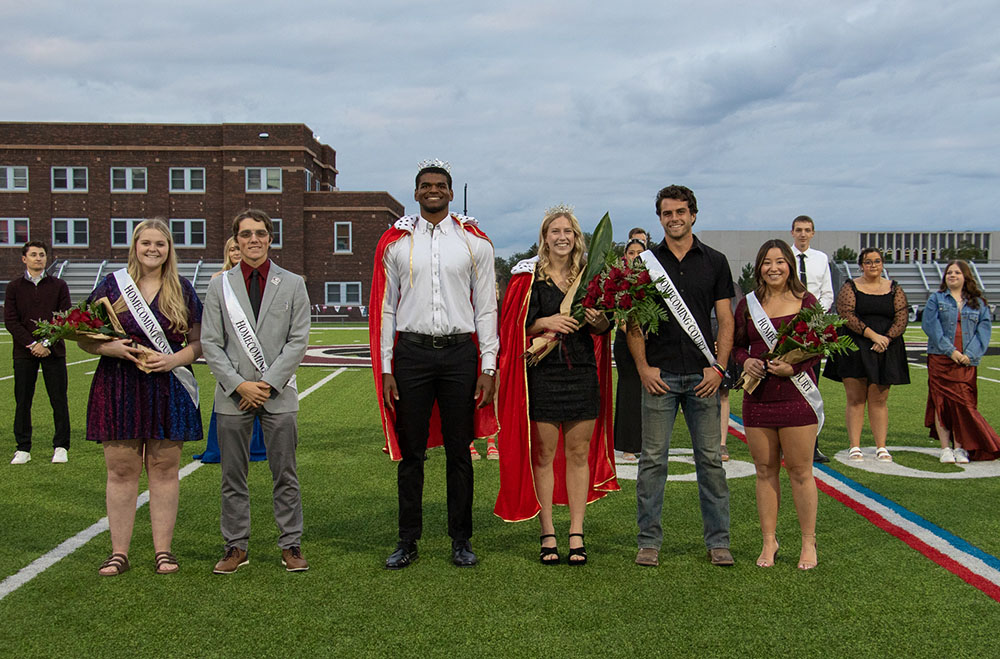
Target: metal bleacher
[919, 280]
[83, 276]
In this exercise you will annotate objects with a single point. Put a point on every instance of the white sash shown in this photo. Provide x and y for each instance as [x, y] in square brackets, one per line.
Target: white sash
[151, 328]
[802, 381]
[678, 308]
[245, 335]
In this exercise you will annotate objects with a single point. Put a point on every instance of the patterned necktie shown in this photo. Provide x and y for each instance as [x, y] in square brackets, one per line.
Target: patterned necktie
[802, 268]
[255, 292]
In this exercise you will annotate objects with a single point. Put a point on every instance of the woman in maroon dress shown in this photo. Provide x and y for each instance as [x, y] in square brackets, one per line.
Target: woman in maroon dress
[778, 419]
[957, 323]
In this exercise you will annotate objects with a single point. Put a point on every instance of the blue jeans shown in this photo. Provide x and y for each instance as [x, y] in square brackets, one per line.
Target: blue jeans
[702, 417]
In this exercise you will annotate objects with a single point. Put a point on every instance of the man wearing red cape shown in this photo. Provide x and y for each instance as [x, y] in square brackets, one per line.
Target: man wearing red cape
[517, 500]
[434, 343]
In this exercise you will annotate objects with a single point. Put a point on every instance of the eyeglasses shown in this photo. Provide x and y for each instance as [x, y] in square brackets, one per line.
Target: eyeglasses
[871, 263]
[246, 234]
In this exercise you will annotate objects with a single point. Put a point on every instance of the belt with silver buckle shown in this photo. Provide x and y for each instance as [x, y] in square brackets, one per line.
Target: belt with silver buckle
[429, 341]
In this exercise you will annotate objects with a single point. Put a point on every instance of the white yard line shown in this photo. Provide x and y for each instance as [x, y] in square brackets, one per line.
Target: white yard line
[82, 361]
[67, 547]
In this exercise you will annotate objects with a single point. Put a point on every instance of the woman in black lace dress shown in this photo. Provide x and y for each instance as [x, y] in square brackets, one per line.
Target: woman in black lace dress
[876, 312]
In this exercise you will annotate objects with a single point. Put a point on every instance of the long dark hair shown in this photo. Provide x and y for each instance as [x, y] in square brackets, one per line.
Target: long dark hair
[792, 283]
[970, 289]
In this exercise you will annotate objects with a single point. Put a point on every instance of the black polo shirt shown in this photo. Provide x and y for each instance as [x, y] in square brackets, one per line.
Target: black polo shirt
[701, 277]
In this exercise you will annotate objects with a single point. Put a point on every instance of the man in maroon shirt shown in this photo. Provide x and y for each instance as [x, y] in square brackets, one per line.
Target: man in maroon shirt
[31, 297]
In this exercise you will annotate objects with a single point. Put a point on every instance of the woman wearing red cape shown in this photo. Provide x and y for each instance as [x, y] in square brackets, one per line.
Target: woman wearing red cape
[555, 417]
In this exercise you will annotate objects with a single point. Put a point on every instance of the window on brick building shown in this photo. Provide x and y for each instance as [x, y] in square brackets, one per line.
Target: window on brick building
[13, 231]
[69, 178]
[276, 238]
[342, 238]
[13, 178]
[128, 179]
[187, 179]
[188, 233]
[121, 231]
[70, 232]
[309, 180]
[263, 179]
[343, 293]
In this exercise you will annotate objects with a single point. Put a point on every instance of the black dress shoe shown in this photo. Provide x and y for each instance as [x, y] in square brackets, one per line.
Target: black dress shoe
[818, 456]
[461, 554]
[406, 553]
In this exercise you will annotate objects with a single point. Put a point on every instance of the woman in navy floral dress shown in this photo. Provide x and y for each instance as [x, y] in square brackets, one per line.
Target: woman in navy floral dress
[143, 418]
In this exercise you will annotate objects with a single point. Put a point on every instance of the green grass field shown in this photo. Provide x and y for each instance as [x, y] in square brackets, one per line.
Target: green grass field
[871, 595]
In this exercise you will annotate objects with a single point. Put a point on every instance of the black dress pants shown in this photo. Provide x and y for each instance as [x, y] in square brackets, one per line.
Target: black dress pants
[425, 375]
[56, 382]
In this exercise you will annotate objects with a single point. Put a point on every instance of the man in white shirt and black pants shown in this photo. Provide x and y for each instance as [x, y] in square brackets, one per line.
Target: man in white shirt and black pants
[813, 269]
[437, 297]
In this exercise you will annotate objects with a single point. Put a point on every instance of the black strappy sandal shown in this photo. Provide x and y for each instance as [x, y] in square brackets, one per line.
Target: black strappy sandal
[578, 551]
[164, 558]
[548, 555]
[118, 561]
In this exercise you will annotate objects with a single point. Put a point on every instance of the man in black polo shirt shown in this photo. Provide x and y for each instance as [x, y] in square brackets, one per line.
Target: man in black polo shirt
[679, 370]
[31, 297]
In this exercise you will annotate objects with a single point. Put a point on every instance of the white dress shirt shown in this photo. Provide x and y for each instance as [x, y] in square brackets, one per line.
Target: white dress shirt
[818, 279]
[429, 277]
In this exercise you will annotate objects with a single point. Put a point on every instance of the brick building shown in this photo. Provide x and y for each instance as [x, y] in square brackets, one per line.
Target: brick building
[81, 188]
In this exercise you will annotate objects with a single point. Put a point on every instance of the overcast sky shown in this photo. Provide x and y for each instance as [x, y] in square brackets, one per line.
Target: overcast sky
[863, 115]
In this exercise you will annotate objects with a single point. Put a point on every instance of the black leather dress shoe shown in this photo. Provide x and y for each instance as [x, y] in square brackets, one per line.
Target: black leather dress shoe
[406, 553]
[818, 456]
[461, 554]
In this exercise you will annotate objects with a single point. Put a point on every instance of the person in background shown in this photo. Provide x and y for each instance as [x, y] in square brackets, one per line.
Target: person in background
[628, 396]
[638, 233]
[142, 417]
[781, 421]
[813, 270]
[557, 447]
[31, 297]
[957, 323]
[258, 452]
[876, 314]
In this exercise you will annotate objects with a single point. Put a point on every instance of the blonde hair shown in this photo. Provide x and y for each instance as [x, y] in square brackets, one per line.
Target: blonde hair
[576, 257]
[227, 263]
[171, 303]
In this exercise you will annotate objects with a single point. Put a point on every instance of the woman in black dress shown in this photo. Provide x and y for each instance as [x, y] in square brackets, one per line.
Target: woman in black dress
[876, 312]
[563, 387]
[628, 396]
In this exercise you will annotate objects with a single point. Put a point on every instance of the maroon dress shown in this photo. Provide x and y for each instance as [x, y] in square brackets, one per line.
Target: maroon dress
[776, 402]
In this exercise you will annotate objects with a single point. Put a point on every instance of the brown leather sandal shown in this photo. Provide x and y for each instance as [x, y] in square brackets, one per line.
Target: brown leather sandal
[117, 561]
[164, 559]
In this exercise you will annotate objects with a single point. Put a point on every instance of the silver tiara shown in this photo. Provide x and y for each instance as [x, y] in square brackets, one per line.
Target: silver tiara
[558, 209]
[438, 164]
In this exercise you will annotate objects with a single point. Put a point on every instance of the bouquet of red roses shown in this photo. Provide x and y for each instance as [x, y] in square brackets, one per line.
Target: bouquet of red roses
[84, 321]
[628, 291]
[812, 332]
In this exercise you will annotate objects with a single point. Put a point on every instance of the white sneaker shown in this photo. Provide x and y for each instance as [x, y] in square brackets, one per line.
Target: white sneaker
[20, 457]
[60, 455]
[947, 456]
[961, 456]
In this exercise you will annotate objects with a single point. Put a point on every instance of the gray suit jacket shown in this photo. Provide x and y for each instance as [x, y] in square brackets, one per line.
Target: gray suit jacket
[282, 329]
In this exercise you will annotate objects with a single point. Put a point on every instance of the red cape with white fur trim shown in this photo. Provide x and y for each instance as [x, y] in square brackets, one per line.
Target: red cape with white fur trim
[517, 500]
[485, 418]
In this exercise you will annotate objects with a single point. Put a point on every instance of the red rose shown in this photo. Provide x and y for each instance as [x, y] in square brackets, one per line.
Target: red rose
[801, 327]
[812, 338]
[594, 287]
[828, 329]
[640, 294]
[75, 316]
[644, 278]
[782, 340]
[96, 323]
[608, 300]
[589, 301]
[625, 301]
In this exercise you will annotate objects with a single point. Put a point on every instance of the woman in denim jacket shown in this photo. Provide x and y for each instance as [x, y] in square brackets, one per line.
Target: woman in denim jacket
[951, 371]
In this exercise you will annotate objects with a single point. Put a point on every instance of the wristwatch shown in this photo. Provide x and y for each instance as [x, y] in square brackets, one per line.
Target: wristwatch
[492, 372]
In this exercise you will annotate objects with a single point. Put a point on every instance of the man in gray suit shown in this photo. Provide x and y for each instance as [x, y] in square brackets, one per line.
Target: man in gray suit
[254, 333]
